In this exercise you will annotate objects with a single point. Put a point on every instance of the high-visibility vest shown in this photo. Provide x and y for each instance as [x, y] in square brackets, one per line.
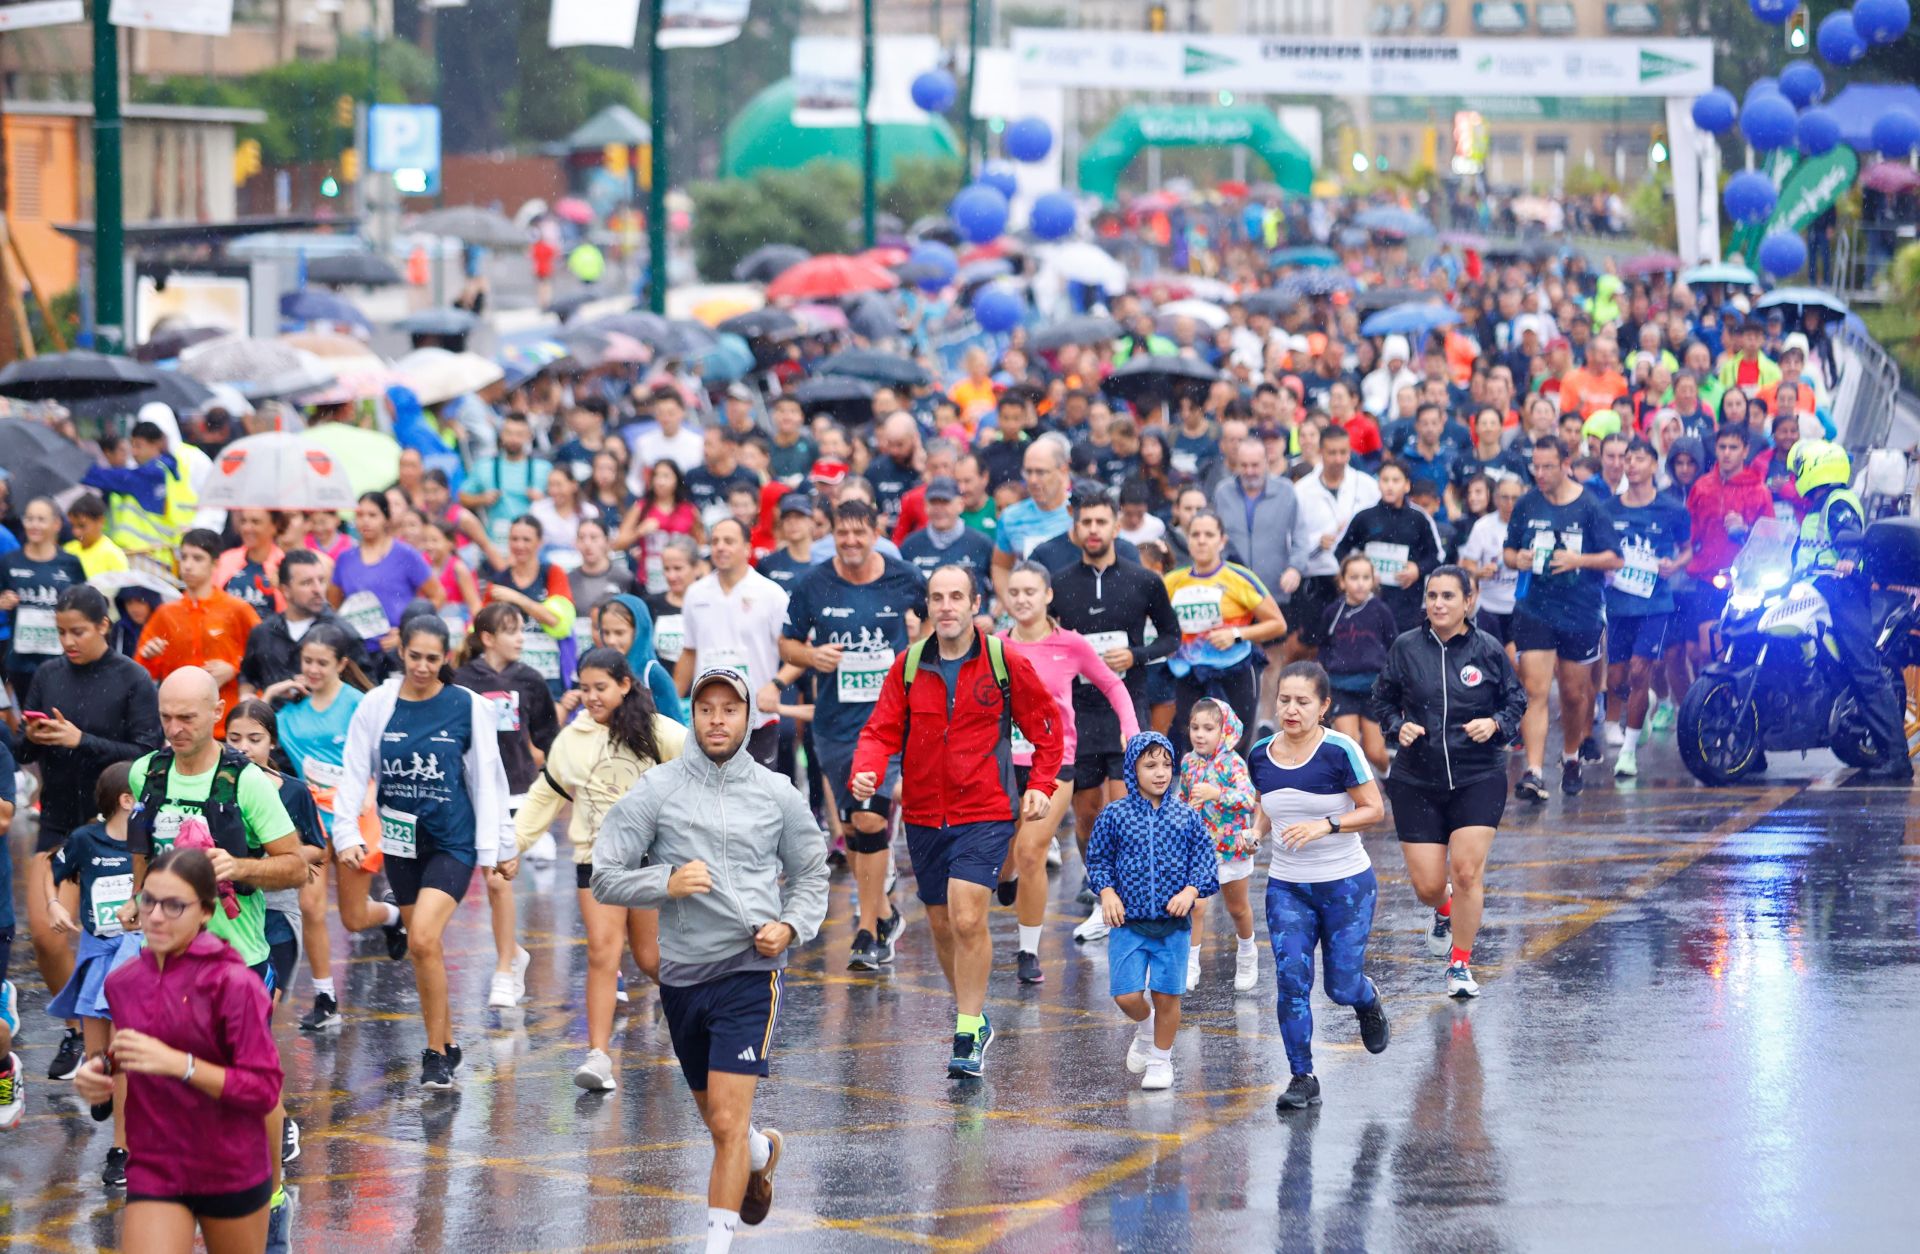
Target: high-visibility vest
[137, 529]
[1816, 535]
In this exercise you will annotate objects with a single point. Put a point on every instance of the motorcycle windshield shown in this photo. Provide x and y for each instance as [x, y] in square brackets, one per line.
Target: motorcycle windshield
[1765, 561]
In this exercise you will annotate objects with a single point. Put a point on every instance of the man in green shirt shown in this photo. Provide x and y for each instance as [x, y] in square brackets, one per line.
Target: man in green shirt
[977, 507]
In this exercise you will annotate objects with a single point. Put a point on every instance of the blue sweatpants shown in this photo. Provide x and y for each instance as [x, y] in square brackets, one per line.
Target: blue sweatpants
[1336, 916]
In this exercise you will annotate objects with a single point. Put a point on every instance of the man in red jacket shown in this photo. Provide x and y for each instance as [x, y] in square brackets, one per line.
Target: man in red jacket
[951, 728]
[1723, 505]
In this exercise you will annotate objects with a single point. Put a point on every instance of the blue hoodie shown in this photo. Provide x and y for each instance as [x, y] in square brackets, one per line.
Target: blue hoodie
[145, 483]
[666, 697]
[1148, 853]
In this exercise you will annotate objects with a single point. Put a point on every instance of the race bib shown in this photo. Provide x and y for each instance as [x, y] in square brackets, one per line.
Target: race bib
[110, 892]
[1021, 745]
[670, 637]
[583, 631]
[1186, 463]
[166, 830]
[506, 710]
[399, 833]
[1388, 559]
[542, 653]
[34, 631]
[656, 574]
[455, 616]
[363, 612]
[862, 674]
[1640, 575]
[1105, 642]
[320, 774]
[1197, 606]
[728, 659]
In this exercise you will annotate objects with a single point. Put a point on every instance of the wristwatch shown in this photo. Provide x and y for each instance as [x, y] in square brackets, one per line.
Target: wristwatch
[1333, 823]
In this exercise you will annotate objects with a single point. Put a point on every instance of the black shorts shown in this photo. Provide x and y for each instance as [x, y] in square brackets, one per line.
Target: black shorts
[583, 875]
[47, 839]
[1533, 634]
[1306, 610]
[968, 851]
[1090, 770]
[1637, 635]
[1348, 702]
[1499, 626]
[1430, 816]
[722, 1025]
[6, 951]
[407, 876]
[283, 951]
[1702, 603]
[237, 1205]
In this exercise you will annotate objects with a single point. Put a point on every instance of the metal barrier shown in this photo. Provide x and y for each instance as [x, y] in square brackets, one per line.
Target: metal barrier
[1863, 401]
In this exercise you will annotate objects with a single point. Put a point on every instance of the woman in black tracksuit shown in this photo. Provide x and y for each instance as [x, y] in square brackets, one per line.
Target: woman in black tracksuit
[1401, 543]
[1450, 699]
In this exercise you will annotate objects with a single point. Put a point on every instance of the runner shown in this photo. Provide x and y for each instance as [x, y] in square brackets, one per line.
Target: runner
[1223, 610]
[1213, 782]
[374, 580]
[272, 655]
[1318, 793]
[958, 788]
[1483, 557]
[1451, 700]
[538, 589]
[442, 794]
[679, 560]
[207, 627]
[733, 619]
[1359, 632]
[594, 762]
[1655, 536]
[32, 577]
[703, 834]
[625, 625]
[848, 620]
[1042, 516]
[1060, 656]
[1399, 540]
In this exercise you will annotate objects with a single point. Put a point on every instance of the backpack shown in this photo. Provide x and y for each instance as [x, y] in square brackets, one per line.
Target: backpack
[220, 812]
[996, 658]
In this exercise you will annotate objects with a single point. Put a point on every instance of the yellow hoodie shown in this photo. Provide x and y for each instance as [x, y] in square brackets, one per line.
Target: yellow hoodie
[590, 769]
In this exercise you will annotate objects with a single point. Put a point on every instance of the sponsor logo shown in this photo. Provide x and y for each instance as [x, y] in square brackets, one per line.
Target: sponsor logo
[1201, 61]
[1655, 65]
[1471, 676]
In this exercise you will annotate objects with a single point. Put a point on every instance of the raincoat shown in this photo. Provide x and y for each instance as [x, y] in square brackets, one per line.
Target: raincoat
[1227, 815]
[1149, 853]
[640, 656]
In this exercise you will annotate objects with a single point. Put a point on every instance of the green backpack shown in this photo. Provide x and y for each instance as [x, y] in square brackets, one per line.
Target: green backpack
[996, 658]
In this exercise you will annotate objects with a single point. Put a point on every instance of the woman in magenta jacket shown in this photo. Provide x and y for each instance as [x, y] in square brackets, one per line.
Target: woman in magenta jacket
[202, 1073]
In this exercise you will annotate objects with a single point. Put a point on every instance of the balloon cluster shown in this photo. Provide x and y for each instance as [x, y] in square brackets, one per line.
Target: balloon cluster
[980, 211]
[997, 308]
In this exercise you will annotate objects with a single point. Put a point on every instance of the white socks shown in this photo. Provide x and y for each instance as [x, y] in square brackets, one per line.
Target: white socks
[323, 986]
[720, 1226]
[1144, 1029]
[392, 912]
[759, 1149]
[1247, 948]
[1161, 1055]
[1030, 939]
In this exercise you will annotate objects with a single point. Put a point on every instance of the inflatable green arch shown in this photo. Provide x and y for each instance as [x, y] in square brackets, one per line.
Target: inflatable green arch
[1192, 126]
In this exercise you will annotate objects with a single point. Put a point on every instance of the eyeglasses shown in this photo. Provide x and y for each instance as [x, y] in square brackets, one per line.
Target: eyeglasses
[171, 907]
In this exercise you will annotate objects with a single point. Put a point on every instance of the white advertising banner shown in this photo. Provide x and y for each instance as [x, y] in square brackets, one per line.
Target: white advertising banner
[189, 17]
[826, 75]
[20, 14]
[1290, 65]
[592, 23]
[701, 23]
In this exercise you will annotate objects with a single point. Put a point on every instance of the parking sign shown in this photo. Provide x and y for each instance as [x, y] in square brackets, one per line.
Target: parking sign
[403, 137]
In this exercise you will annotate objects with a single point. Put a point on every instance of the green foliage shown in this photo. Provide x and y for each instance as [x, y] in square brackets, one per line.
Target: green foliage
[920, 186]
[65, 307]
[809, 207]
[543, 108]
[1582, 180]
[1652, 212]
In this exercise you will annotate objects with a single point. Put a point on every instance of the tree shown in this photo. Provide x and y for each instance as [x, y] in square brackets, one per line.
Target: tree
[920, 186]
[809, 207]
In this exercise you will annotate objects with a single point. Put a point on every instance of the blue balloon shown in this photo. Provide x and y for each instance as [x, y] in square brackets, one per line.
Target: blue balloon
[1765, 85]
[1773, 12]
[1896, 133]
[1881, 21]
[935, 91]
[1750, 197]
[1818, 131]
[1802, 83]
[1768, 123]
[1838, 40]
[1782, 253]
[1714, 111]
[1029, 139]
[980, 211]
[1053, 216]
[1000, 176]
[998, 308]
[942, 261]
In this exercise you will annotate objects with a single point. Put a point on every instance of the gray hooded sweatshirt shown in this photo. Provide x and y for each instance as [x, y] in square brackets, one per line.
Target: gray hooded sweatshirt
[765, 854]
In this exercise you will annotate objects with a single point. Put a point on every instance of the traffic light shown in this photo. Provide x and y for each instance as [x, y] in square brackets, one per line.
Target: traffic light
[246, 160]
[1157, 18]
[329, 187]
[1657, 149]
[1797, 23]
[343, 111]
[613, 158]
[350, 165]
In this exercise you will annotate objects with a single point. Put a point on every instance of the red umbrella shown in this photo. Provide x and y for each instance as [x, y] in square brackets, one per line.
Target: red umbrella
[885, 255]
[1232, 188]
[829, 277]
[1890, 178]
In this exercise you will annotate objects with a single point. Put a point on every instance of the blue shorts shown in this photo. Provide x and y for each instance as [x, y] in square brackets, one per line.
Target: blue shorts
[971, 851]
[836, 764]
[1637, 636]
[85, 995]
[722, 1025]
[1137, 962]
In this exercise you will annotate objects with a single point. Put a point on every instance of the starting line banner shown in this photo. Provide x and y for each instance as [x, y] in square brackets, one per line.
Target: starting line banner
[1289, 65]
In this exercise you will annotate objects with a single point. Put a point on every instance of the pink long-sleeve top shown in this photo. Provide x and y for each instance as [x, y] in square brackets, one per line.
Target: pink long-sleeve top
[208, 1003]
[1060, 657]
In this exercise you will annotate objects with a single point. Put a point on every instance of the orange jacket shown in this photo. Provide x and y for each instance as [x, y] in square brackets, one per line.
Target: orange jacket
[198, 632]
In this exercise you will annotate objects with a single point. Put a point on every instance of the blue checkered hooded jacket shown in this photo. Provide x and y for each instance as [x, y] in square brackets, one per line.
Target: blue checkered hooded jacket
[1148, 853]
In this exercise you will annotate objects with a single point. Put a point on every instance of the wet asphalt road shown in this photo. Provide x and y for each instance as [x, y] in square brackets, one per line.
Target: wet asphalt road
[1696, 1033]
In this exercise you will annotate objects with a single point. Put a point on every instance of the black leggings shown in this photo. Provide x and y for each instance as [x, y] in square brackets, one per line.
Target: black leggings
[1238, 689]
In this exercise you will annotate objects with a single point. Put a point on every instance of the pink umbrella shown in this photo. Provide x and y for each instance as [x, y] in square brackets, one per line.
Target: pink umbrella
[574, 210]
[1890, 178]
[819, 318]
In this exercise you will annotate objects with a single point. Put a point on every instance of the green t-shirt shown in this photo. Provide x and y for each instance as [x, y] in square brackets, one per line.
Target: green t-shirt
[985, 520]
[266, 820]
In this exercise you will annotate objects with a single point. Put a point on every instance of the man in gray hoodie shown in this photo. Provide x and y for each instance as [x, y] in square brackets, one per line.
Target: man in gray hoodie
[737, 868]
[1258, 512]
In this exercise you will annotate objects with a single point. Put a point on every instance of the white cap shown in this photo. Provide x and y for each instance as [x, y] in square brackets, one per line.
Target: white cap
[1395, 349]
[1299, 344]
[1797, 339]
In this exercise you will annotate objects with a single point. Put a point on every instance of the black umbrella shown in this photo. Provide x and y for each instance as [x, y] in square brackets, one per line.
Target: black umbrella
[354, 270]
[74, 376]
[914, 273]
[438, 322]
[1387, 298]
[168, 344]
[694, 337]
[935, 227]
[848, 399]
[1160, 378]
[871, 316]
[649, 328]
[39, 460]
[761, 324]
[888, 369]
[768, 262]
[565, 307]
[181, 393]
[1084, 329]
[1270, 301]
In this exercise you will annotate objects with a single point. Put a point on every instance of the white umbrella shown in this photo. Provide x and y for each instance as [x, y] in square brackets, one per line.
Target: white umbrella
[110, 582]
[437, 375]
[1199, 310]
[1089, 264]
[277, 471]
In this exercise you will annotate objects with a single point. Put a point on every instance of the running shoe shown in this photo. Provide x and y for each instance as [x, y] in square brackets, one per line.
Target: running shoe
[1570, 784]
[1193, 969]
[888, 939]
[1140, 1049]
[759, 1198]
[434, 1071]
[1530, 788]
[620, 988]
[10, 1007]
[289, 1142]
[278, 1217]
[1590, 750]
[1440, 935]
[1246, 970]
[521, 961]
[1054, 856]
[893, 876]
[1093, 928]
[1460, 981]
[1030, 972]
[13, 1092]
[595, 1075]
[970, 1052]
[500, 995]
[66, 1060]
[865, 955]
[1374, 1032]
[1158, 1075]
[1302, 1091]
[542, 850]
[454, 1057]
[101, 1111]
[1663, 716]
[1086, 896]
[396, 934]
[114, 1174]
[1616, 735]
[1008, 891]
[1627, 765]
[325, 1014]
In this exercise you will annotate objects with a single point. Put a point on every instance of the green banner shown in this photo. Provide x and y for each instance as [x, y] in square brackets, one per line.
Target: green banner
[1785, 168]
[1439, 110]
[1813, 187]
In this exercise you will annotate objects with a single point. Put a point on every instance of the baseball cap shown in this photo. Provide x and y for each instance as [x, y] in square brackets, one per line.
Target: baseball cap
[1559, 341]
[721, 675]
[796, 503]
[738, 391]
[828, 472]
[942, 488]
[1797, 340]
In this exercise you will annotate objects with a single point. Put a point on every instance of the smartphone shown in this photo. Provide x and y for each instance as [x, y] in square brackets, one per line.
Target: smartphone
[31, 715]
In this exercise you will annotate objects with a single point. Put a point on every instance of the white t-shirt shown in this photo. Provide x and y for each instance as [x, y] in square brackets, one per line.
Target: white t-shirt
[1323, 509]
[738, 629]
[686, 450]
[1315, 789]
[1149, 530]
[1484, 544]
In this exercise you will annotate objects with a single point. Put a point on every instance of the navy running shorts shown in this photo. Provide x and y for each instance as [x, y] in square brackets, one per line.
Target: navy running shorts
[1637, 635]
[722, 1025]
[970, 851]
[1533, 634]
[438, 869]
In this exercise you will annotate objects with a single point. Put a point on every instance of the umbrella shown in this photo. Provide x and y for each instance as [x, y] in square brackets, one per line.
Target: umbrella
[716, 309]
[168, 344]
[1719, 272]
[1273, 302]
[820, 319]
[1315, 283]
[935, 227]
[1084, 329]
[1306, 255]
[761, 324]
[256, 368]
[985, 270]
[890, 369]
[691, 335]
[39, 460]
[768, 262]
[471, 224]
[593, 347]
[1387, 297]
[307, 305]
[277, 471]
[1203, 311]
[438, 322]
[1890, 178]
[1649, 264]
[181, 393]
[328, 344]
[871, 316]
[573, 209]
[1412, 318]
[649, 328]
[1464, 239]
[1158, 377]
[1089, 264]
[355, 379]
[74, 376]
[112, 583]
[565, 307]
[824, 278]
[437, 375]
[354, 270]
[1352, 237]
[1389, 220]
[372, 459]
[1800, 298]
[833, 389]
[729, 358]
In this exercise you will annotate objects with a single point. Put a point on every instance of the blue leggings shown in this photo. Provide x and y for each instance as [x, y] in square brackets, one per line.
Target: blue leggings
[1337, 916]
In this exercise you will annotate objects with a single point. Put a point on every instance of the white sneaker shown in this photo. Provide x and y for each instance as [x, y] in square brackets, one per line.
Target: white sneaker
[521, 961]
[1193, 969]
[1246, 970]
[1616, 735]
[1140, 1052]
[1460, 981]
[596, 1073]
[502, 993]
[1054, 856]
[1626, 766]
[543, 850]
[15, 1103]
[1158, 1075]
[1094, 928]
[1440, 934]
